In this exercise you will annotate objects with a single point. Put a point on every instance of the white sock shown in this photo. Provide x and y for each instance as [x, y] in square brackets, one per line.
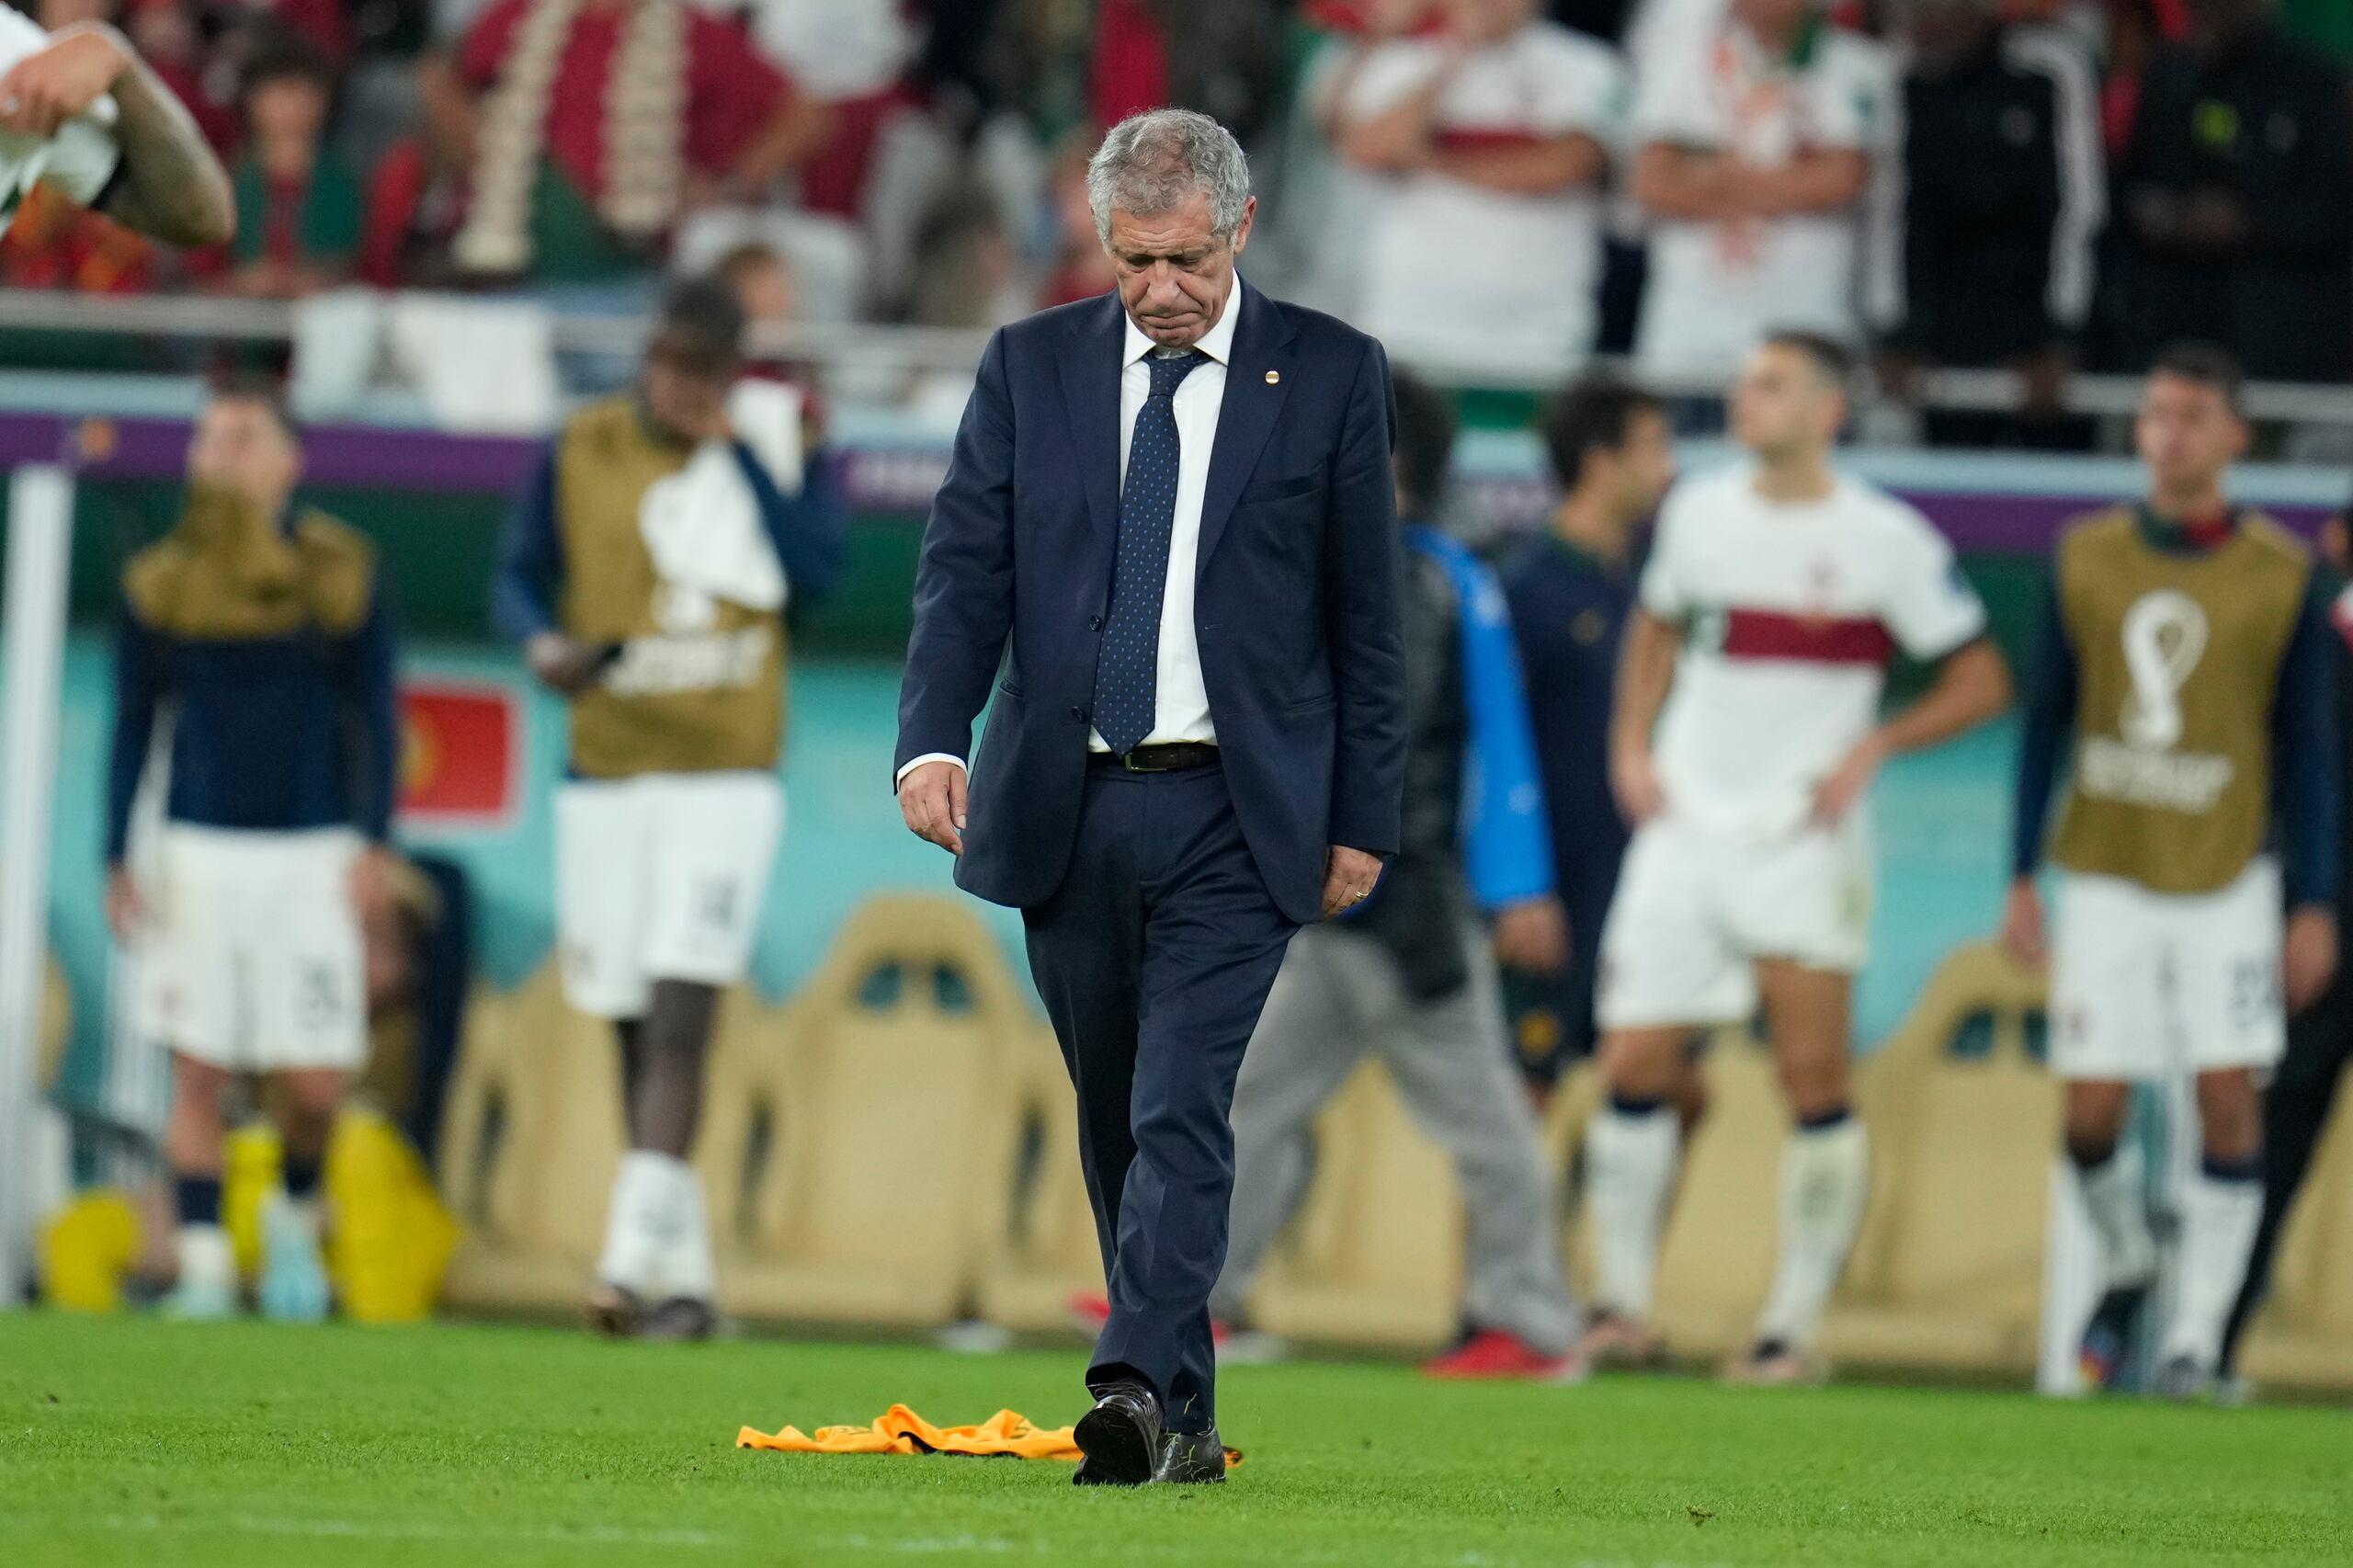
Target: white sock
[651, 1194]
[2219, 1215]
[207, 1261]
[2118, 1203]
[1825, 1176]
[687, 1268]
[1630, 1160]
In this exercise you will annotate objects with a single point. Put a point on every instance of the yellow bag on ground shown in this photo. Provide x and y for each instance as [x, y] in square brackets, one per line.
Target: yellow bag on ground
[390, 1242]
[86, 1249]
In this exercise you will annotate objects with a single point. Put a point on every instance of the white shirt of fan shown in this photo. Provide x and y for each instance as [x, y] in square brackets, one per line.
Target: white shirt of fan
[78, 159]
[1181, 705]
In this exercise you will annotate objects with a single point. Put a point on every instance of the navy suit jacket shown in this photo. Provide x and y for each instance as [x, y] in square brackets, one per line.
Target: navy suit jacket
[1295, 601]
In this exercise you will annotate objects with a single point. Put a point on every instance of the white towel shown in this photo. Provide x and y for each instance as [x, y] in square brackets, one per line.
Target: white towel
[702, 524]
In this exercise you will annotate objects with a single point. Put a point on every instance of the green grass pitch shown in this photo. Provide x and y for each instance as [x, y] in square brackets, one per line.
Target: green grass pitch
[131, 1441]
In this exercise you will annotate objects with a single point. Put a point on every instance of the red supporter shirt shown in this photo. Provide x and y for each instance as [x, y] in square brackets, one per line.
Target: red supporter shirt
[732, 90]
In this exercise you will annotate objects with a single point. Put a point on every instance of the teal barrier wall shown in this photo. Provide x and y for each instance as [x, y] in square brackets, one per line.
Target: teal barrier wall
[1941, 818]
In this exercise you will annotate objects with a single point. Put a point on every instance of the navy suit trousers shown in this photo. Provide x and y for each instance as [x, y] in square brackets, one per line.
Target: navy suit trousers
[1154, 960]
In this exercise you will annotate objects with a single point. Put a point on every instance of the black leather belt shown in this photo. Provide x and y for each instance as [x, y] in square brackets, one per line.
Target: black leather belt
[1178, 757]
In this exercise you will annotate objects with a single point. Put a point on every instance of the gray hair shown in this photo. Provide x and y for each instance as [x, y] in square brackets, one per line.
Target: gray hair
[1152, 163]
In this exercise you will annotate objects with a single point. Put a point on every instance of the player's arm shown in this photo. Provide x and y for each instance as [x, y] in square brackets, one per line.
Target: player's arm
[1645, 674]
[809, 528]
[1972, 685]
[373, 694]
[1538, 168]
[2050, 721]
[138, 683]
[167, 186]
[2304, 768]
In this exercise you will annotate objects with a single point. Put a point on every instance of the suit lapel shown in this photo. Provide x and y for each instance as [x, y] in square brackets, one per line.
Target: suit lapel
[1090, 377]
[1262, 342]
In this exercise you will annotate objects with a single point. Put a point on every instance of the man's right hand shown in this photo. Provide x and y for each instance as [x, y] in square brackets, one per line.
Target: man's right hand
[1635, 783]
[561, 664]
[931, 799]
[2024, 936]
[125, 910]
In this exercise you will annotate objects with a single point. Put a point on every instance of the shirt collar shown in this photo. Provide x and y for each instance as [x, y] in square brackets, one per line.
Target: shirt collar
[1217, 342]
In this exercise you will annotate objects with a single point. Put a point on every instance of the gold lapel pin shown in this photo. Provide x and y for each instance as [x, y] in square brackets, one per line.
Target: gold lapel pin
[1273, 376]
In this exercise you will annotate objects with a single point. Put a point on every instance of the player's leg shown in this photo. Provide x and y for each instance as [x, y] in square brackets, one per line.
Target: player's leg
[2226, 967]
[604, 846]
[2108, 1030]
[308, 969]
[1666, 971]
[2297, 1105]
[1452, 1065]
[1328, 997]
[1825, 1164]
[715, 839]
[193, 1146]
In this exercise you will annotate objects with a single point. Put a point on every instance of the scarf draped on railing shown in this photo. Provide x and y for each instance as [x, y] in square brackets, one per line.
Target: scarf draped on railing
[644, 131]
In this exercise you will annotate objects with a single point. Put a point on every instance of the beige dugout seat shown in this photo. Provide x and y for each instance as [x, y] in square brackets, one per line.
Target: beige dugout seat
[1946, 1271]
[1374, 1256]
[852, 1143]
[528, 1146]
[2303, 1335]
[1040, 1246]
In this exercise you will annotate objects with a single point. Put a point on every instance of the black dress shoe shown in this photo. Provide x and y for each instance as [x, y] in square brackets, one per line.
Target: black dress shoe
[1121, 1438]
[1191, 1459]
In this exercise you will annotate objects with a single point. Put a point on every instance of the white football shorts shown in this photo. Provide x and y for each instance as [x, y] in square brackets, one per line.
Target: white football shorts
[660, 877]
[251, 958]
[2151, 986]
[1694, 912]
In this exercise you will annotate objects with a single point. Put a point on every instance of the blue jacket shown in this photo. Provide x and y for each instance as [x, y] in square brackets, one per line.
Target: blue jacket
[1295, 603]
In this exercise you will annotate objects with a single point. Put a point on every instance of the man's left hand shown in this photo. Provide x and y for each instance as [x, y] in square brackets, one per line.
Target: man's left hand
[374, 881]
[1348, 876]
[1836, 795]
[43, 91]
[2308, 955]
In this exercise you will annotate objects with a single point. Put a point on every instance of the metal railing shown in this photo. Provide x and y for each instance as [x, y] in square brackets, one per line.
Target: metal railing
[862, 346]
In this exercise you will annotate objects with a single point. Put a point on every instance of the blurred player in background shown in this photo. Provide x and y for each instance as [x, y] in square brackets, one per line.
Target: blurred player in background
[646, 573]
[1775, 593]
[1571, 590]
[80, 113]
[2303, 1093]
[1412, 974]
[2185, 675]
[254, 656]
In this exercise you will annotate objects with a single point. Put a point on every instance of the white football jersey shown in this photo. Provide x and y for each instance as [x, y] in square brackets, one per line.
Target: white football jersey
[78, 160]
[1791, 613]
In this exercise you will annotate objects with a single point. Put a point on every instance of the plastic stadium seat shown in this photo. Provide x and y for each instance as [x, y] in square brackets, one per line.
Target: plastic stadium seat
[1948, 1269]
[2304, 1333]
[854, 1143]
[528, 1146]
[1375, 1255]
[1041, 1248]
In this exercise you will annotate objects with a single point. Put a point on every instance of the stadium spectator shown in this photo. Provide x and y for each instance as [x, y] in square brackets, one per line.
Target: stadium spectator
[299, 211]
[592, 126]
[2184, 682]
[2303, 1093]
[2234, 202]
[1759, 137]
[1488, 252]
[851, 56]
[1079, 270]
[646, 573]
[1774, 595]
[1570, 591]
[257, 636]
[2005, 192]
[1412, 974]
[167, 35]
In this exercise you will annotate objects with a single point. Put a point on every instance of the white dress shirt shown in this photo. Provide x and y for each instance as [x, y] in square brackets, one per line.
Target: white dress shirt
[1181, 708]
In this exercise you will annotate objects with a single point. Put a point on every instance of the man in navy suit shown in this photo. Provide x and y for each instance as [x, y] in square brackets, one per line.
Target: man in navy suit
[1169, 519]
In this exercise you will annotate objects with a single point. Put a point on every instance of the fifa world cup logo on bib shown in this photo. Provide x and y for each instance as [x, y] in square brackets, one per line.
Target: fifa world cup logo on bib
[2164, 636]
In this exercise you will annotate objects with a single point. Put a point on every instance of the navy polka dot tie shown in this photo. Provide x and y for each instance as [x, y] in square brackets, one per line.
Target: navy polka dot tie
[1127, 670]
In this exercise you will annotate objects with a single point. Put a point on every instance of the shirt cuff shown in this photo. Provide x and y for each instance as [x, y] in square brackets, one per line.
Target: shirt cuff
[900, 776]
